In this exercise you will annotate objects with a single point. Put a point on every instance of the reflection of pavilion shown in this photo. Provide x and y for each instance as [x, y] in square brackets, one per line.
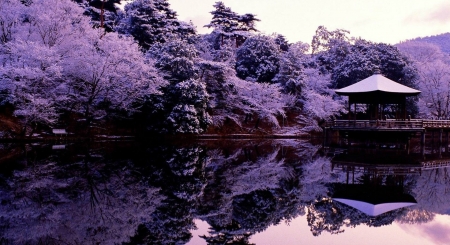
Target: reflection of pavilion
[373, 200]
[374, 188]
[381, 170]
[374, 171]
[378, 188]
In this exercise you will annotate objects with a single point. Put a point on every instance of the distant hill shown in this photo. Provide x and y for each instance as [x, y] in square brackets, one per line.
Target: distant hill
[442, 40]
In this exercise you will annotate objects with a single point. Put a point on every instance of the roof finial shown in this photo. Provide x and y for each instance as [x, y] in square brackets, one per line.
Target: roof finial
[377, 70]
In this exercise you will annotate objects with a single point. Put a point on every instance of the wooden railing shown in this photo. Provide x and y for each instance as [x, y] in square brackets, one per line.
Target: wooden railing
[436, 123]
[376, 169]
[390, 169]
[435, 164]
[388, 124]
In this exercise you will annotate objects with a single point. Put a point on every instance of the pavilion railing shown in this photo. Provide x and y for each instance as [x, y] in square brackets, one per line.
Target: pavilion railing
[389, 124]
[376, 169]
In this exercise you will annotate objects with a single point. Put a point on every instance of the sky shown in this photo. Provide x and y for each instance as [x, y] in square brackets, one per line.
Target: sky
[386, 21]
[297, 231]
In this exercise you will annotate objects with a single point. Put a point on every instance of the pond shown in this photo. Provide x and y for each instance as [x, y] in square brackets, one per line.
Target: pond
[282, 191]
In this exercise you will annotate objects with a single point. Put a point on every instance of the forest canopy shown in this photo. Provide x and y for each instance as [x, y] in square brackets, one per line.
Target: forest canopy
[75, 64]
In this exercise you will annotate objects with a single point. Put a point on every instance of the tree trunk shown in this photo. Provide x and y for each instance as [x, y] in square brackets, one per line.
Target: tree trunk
[257, 123]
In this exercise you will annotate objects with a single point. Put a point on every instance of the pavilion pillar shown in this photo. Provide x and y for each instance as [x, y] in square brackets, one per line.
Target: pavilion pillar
[446, 141]
[408, 145]
[376, 111]
[404, 110]
[381, 111]
[441, 131]
[422, 142]
[398, 112]
[349, 111]
[348, 172]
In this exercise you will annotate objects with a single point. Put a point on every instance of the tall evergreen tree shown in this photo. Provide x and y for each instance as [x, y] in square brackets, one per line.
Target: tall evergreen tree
[224, 19]
[231, 25]
[152, 21]
[182, 106]
[102, 12]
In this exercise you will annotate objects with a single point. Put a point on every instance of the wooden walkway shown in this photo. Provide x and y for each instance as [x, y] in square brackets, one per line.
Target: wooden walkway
[413, 125]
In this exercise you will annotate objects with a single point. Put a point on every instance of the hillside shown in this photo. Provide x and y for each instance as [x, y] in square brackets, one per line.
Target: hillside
[442, 40]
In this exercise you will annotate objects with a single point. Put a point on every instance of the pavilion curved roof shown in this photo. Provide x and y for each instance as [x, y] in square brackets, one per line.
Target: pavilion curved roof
[377, 83]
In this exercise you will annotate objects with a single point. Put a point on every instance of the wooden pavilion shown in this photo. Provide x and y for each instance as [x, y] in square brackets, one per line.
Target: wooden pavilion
[377, 92]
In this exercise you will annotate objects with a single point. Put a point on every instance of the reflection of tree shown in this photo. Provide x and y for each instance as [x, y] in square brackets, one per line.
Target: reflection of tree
[316, 173]
[432, 190]
[228, 234]
[152, 194]
[178, 171]
[415, 216]
[248, 189]
[86, 200]
[169, 224]
[254, 210]
[324, 216]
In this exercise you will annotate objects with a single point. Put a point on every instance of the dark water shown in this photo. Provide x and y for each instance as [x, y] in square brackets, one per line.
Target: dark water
[216, 192]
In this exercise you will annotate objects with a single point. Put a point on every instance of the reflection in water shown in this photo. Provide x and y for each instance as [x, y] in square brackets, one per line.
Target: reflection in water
[75, 198]
[130, 193]
[373, 200]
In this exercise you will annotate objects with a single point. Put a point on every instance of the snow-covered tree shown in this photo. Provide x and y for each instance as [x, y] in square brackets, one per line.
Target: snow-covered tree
[282, 42]
[189, 113]
[224, 19]
[152, 21]
[235, 99]
[435, 86]
[56, 62]
[182, 106]
[317, 100]
[9, 18]
[33, 71]
[325, 40]
[231, 25]
[434, 77]
[292, 64]
[176, 58]
[112, 74]
[365, 57]
[213, 50]
[32, 59]
[258, 59]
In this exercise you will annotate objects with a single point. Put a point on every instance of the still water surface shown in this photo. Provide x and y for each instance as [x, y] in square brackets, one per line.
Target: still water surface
[215, 192]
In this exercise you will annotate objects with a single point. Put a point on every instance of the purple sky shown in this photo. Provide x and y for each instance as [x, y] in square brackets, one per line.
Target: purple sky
[388, 21]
